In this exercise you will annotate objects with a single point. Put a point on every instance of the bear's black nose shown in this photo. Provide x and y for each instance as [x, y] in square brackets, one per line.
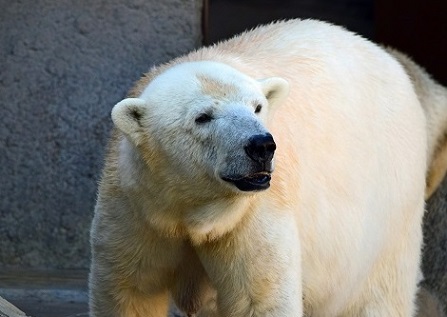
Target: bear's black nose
[261, 148]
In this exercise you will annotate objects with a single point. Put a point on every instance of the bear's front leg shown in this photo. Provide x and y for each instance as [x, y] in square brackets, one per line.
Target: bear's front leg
[255, 267]
[132, 269]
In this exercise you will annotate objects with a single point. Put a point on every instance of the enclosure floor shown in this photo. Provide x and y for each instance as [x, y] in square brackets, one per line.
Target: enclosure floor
[50, 293]
[45, 293]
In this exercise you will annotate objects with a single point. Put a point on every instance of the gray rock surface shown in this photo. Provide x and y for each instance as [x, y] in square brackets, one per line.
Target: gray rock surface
[434, 259]
[63, 65]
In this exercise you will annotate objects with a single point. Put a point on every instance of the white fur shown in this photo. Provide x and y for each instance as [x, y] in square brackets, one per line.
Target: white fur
[339, 231]
[433, 98]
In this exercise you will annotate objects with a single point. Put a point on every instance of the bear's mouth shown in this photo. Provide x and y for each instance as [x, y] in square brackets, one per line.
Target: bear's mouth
[253, 182]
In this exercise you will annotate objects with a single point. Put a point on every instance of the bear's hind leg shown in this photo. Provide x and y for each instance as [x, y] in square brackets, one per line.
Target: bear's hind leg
[385, 298]
[393, 283]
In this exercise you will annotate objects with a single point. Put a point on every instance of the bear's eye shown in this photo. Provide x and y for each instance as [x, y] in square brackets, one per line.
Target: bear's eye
[204, 118]
[258, 109]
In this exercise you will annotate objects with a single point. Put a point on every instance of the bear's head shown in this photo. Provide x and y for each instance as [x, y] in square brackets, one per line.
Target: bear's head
[204, 124]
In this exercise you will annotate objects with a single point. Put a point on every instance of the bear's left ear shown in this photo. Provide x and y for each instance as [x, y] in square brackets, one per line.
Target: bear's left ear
[275, 89]
[127, 115]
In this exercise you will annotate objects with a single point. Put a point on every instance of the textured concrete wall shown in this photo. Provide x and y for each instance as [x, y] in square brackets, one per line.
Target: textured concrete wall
[63, 65]
[434, 259]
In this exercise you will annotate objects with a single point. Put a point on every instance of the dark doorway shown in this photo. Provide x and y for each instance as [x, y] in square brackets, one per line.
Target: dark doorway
[225, 18]
[418, 28]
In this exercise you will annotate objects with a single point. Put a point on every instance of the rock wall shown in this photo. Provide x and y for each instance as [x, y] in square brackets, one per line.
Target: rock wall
[434, 259]
[63, 65]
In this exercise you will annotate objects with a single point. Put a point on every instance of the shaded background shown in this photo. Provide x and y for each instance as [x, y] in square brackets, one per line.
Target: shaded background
[65, 63]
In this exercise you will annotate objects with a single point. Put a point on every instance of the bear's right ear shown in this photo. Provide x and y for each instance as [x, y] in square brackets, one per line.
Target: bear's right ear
[127, 115]
[275, 89]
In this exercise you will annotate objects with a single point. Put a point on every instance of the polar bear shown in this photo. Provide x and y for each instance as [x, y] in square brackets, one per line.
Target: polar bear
[283, 170]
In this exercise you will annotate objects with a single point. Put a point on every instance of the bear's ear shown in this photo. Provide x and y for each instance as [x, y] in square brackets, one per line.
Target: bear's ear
[127, 115]
[275, 89]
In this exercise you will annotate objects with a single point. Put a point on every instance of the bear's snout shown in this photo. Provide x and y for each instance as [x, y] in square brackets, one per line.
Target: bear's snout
[261, 147]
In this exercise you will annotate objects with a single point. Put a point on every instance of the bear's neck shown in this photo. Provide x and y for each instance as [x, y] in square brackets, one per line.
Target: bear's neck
[175, 213]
